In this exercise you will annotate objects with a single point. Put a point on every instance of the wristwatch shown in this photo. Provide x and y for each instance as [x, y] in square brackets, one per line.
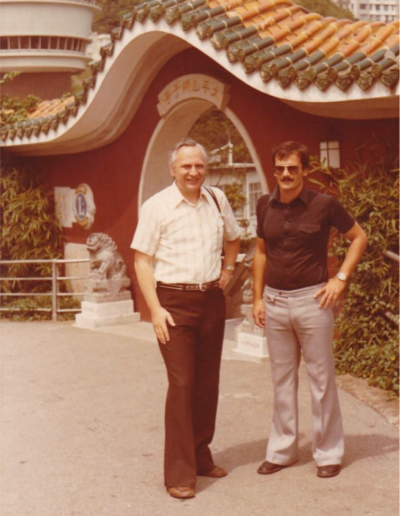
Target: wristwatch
[228, 267]
[342, 276]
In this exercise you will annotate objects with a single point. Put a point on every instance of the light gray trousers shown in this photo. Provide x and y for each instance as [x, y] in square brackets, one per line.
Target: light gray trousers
[295, 325]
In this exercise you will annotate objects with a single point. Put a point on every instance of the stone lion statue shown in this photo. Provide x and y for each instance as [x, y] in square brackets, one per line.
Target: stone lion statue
[107, 280]
[105, 260]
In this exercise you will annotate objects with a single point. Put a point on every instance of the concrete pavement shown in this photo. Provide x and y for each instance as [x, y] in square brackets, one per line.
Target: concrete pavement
[82, 434]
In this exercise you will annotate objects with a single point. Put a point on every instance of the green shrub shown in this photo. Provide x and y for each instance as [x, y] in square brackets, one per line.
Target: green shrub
[14, 109]
[367, 341]
[26, 309]
[29, 231]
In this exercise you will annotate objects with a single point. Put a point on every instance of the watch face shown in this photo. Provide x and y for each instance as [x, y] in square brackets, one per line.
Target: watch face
[342, 276]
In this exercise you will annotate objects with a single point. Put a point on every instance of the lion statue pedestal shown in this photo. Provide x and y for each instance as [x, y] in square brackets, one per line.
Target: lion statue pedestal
[250, 338]
[107, 300]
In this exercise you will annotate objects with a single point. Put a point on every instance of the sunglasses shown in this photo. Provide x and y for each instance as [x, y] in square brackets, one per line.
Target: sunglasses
[292, 169]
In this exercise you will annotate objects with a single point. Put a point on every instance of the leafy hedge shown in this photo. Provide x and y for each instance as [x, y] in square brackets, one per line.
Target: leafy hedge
[26, 309]
[367, 340]
[14, 109]
[29, 231]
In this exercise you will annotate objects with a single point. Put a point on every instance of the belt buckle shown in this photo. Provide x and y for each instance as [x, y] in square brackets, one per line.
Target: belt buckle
[203, 287]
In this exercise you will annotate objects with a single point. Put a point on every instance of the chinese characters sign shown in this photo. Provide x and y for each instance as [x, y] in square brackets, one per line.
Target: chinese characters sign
[194, 86]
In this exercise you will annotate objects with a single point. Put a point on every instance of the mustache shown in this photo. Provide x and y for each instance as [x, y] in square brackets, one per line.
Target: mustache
[287, 180]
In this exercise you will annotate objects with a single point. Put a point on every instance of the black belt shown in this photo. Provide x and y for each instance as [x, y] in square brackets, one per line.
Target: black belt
[203, 287]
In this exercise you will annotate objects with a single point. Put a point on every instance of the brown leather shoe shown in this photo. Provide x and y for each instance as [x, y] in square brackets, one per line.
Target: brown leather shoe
[267, 468]
[216, 472]
[328, 471]
[181, 492]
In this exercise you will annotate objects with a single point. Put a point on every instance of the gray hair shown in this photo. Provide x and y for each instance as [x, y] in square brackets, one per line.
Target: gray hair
[186, 142]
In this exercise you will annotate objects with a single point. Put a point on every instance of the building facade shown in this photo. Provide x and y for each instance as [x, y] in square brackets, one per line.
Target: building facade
[373, 10]
[46, 41]
[265, 70]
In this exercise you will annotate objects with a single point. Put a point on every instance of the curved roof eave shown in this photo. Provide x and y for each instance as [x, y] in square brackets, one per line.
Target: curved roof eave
[108, 103]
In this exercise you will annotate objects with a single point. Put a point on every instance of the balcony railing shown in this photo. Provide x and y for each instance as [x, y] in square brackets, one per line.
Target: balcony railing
[33, 44]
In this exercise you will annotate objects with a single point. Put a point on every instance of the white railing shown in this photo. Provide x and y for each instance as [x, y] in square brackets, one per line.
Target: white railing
[389, 315]
[54, 278]
[35, 44]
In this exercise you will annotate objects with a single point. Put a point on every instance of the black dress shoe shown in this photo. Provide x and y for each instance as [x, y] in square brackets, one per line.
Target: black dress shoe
[328, 471]
[267, 468]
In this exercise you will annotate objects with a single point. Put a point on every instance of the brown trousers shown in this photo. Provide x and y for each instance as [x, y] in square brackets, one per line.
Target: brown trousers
[192, 358]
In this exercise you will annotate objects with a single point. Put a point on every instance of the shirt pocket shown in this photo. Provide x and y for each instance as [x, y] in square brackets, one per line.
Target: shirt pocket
[309, 234]
[309, 228]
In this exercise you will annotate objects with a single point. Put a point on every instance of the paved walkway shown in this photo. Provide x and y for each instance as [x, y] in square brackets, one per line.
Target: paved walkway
[82, 434]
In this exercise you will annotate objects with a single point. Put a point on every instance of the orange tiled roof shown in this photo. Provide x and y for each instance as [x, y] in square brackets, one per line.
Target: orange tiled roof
[48, 108]
[283, 41]
[277, 39]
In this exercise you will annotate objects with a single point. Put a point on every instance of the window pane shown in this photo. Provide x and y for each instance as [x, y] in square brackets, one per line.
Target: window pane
[323, 145]
[255, 193]
[333, 145]
[334, 158]
[3, 43]
[13, 42]
[323, 155]
[35, 42]
[25, 43]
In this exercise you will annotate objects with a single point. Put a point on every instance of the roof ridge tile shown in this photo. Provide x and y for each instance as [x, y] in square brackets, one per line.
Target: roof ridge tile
[277, 38]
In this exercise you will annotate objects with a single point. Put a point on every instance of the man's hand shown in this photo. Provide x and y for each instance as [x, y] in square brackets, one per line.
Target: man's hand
[160, 319]
[225, 278]
[330, 292]
[259, 313]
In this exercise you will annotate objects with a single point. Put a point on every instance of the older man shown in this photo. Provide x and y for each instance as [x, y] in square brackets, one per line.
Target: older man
[178, 243]
[293, 227]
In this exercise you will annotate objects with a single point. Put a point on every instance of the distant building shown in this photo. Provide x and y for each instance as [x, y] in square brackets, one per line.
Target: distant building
[373, 10]
[223, 173]
[46, 41]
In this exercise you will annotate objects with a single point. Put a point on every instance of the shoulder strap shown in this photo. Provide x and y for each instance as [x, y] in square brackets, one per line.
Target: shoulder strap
[209, 190]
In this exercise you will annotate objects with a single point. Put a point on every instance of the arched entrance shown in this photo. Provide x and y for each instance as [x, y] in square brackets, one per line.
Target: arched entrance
[180, 107]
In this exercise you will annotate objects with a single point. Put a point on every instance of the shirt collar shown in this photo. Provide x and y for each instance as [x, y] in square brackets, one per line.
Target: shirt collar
[177, 197]
[304, 196]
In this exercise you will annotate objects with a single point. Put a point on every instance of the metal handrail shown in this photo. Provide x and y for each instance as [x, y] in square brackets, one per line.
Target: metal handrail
[389, 315]
[54, 278]
[393, 256]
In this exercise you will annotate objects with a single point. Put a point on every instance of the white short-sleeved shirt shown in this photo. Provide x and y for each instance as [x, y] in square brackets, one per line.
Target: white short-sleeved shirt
[185, 240]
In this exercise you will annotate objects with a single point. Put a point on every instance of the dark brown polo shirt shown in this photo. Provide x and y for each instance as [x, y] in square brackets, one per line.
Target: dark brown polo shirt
[296, 237]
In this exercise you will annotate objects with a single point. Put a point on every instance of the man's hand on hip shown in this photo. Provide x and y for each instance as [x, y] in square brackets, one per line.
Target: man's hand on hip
[160, 319]
[259, 313]
[330, 293]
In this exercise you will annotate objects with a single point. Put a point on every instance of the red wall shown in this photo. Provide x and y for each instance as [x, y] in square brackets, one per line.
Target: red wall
[113, 171]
